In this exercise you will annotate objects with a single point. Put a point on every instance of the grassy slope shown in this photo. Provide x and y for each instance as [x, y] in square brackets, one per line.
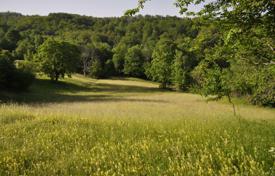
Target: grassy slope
[100, 127]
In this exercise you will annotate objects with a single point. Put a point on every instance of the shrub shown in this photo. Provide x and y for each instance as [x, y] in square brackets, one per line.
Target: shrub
[13, 78]
[109, 68]
[96, 69]
[21, 80]
[265, 92]
[26, 65]
[6, 71]
[265, 96]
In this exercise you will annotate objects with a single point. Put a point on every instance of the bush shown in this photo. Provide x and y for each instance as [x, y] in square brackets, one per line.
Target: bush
[264, 96]
[96, 69]
[21, 80]
[26, 65]
[109, 69]
[265, 88]
[264, 91]
[12, 78]
[6, 72]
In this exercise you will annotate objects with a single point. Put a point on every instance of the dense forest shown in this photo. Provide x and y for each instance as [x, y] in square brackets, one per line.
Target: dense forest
[187, 54]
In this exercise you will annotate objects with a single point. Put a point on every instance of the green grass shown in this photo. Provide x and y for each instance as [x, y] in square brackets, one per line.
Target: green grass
[83, 126]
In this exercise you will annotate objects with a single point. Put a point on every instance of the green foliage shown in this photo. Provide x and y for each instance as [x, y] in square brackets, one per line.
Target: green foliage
[185, 61]
[26, 65]
[179, 74]
[109, 68]
[99, 57]
[21, 80]
[11, 38]
[87, 54]
[12, 78]
[265, 89]
[226, 50]
[6, 71]
[27, 46]
[134, 60]
[242, 40]
[119, 57]
[7, 55]
[213, 74]
[57, 58]
[161, 67]
[213, 81]
[237, 32]
[140, 6]
[96, 69]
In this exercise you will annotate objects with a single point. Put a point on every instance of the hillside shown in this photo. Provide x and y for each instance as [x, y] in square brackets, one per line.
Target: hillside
[186, 53]
[83, 126]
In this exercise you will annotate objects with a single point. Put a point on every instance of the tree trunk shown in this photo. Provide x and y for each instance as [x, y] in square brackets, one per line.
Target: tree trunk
[163, 85]
[84, 67]
[56, 77]
[233, 105]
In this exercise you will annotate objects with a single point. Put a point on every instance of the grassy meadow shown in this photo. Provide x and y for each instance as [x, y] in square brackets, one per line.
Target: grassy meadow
[83, 126]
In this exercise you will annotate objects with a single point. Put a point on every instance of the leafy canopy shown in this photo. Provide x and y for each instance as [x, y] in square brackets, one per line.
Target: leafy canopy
[57, 58]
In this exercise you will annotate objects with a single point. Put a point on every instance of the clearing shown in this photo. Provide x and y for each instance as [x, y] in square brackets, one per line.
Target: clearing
[83, 126]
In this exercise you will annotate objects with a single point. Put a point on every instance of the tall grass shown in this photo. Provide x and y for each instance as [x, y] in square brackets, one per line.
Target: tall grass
[129, 127]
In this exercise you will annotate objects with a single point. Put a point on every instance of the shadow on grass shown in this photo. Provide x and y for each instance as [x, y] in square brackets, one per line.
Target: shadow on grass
[45, 91]
[115, 88]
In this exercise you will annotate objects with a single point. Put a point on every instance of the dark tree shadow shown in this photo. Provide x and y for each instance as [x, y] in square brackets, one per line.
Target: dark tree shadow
[114, 88]
[46, 91]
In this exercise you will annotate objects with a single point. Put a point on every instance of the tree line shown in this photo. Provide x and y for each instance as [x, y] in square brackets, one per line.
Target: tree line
[189, 54]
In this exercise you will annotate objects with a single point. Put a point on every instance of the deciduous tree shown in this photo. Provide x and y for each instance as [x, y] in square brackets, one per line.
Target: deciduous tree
[57, 58]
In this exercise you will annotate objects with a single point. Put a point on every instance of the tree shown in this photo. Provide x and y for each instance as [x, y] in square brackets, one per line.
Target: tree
[185, 61]
[57, 58]
[6, 70]
[161, 67]
[118, 58]
[27, 46]
[2, 38]
[239, 33]
[24, 47]
[243, 12]
[12, 78]
[134, 62]
[264, 94]
[247, 28]
[96, 69]
[214, 75]
[109, 69]
[11, 37]
[102, 53]
[179, 75]
[87, 54]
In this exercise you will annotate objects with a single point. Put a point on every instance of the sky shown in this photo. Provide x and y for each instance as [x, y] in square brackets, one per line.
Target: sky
[96, 8]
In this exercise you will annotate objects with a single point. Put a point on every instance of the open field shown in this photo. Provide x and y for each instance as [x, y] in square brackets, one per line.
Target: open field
[83, 126]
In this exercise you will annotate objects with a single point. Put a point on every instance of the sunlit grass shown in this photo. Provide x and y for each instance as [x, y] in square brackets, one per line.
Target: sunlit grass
[129, 127]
